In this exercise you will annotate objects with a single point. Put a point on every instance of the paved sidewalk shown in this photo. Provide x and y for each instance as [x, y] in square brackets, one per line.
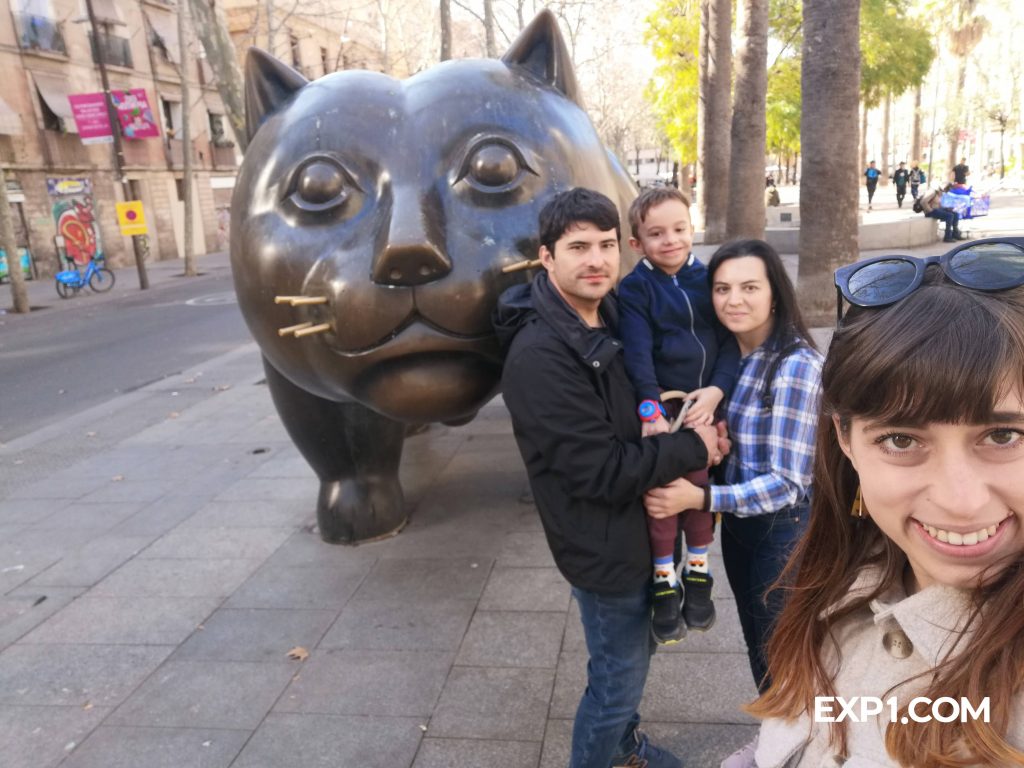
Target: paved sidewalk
[152, 589]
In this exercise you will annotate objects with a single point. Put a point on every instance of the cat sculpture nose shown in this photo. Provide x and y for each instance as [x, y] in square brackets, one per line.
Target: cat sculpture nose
[410, 256]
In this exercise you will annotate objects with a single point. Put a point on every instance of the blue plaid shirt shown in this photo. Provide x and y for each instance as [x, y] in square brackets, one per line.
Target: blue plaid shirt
[769, 466]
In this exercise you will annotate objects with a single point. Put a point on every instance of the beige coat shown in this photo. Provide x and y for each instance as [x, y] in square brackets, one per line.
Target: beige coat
[886, 643]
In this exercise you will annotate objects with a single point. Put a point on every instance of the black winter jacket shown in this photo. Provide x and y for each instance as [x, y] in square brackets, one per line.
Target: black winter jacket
[574, 417]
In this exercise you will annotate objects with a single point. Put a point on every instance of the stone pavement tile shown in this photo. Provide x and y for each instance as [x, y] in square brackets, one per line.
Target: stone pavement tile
[479, 703]
[127, 747]
[81, 514]
[65, 484]
[287, 464]
[305, 547]
[700, 745]
[56, 675]
[218, 543]
[253, 514]
[188, 462]
[570, 680]
[160, 516]
[255, 634]
[275, 489]
[176, 578]
[443, 530]
[93, 620]
[386, 683]
[724, 680]
[40, 737]
[130, 489]
[310, 587]
[23, 609]
[526, 589]
[512, 639]
[29, 511]
[416, 580]
[557, 744]
[206, 694]
[439, 625]
[324, 741]
[90, 563]
[473, 753]
[525, 549]
[19, 563]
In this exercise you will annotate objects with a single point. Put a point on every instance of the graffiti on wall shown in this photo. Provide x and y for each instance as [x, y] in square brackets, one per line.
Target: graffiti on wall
[75, 217]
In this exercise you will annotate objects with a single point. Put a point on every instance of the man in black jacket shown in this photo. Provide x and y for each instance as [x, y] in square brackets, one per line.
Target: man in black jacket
[573, 414]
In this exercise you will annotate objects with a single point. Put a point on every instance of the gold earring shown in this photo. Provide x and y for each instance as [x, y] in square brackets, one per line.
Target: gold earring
[857, 510]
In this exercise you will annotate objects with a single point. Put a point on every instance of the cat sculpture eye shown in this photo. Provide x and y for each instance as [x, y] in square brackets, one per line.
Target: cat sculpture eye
[494, 165]
[320, 184]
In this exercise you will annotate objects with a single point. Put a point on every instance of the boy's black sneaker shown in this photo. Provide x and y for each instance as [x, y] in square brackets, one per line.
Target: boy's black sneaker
[667, 625]
[698, 607]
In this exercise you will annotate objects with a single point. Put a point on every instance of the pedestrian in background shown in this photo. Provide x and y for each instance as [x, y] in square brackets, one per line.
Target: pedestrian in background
[900, 177]
[917, 179]
[871, 175]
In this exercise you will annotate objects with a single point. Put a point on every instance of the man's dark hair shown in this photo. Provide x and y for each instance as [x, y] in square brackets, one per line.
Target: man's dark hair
[576, 206]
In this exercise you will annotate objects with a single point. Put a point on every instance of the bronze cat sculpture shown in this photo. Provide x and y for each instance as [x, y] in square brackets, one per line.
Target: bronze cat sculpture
[370, 224]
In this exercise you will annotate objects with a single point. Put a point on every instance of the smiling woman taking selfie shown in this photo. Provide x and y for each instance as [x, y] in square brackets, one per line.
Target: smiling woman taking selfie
[908, 588]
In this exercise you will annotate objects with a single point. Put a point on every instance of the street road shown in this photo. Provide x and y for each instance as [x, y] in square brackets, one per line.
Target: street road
[83, 351]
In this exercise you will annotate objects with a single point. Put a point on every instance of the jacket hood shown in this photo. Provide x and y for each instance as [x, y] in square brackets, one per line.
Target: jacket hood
[538, 299]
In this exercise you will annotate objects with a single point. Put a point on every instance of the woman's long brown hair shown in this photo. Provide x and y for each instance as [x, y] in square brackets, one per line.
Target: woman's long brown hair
[944, 354]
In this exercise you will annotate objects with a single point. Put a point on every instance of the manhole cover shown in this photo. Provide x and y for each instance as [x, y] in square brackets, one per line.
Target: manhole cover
[213, 299]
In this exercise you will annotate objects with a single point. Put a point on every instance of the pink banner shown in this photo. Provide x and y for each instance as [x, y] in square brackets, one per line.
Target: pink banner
[91, 117]
[134, 114]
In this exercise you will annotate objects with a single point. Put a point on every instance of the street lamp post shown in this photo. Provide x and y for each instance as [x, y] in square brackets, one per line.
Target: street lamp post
[139, 242]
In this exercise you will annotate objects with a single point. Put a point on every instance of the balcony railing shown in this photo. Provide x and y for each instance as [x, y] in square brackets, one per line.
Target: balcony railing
[39, 33]
[116, 51]
[223, 157]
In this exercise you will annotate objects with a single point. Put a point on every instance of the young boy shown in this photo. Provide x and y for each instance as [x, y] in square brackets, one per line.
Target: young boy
[673, 340]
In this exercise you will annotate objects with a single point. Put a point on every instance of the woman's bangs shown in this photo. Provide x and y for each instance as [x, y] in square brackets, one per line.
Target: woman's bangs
[932, 358]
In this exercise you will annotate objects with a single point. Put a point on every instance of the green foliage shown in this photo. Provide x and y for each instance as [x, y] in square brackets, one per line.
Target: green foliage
[673, 32]
[896, 50]
[783, 107]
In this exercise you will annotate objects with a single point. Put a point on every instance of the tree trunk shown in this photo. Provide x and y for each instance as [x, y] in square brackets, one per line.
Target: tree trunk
[271, 28]
[186, 140]
[886, 127]
[19, 296]
[212, 31]
[953, 134]
[713, 116]
[746, 213]
[446, 30]
[829, 186]
[864, 138]
[915, 131]
[491, 42]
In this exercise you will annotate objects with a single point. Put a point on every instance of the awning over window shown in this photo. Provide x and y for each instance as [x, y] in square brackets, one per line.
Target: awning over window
[54, 91]
[10, 121]
[214, 103]
[105, 11]
[165, 25]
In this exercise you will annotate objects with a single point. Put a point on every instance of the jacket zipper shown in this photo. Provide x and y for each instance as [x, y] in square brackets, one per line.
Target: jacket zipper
[693, 331]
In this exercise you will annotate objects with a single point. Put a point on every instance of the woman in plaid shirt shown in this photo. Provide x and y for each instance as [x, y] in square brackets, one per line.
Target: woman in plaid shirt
[772, 415]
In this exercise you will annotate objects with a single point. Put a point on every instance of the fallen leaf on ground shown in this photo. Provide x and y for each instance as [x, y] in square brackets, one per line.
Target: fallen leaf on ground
[298, 653]
[117, 478]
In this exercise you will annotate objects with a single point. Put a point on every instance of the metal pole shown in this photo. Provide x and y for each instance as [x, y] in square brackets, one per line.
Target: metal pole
[139, 245]
[931, 140]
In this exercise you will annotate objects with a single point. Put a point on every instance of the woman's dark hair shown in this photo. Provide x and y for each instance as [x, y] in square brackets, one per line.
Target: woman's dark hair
[573, 207]
[789, 328]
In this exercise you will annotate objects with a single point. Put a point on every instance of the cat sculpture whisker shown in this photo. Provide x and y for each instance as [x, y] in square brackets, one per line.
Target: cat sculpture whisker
[519, 266]
[292, 329]
[322, 328]
[300, 301]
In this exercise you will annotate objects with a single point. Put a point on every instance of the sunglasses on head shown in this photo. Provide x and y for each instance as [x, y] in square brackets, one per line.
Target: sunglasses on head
[992, 264]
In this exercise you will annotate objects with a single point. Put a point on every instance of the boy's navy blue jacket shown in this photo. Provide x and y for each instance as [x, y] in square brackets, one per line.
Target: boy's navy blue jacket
[670, 333]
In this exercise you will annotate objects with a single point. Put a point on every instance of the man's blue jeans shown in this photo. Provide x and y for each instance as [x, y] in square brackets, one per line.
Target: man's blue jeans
[618, 633]
[754, 551]
[951, 218]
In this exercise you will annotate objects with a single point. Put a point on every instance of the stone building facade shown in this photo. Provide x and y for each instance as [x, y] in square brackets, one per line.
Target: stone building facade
[64, 190]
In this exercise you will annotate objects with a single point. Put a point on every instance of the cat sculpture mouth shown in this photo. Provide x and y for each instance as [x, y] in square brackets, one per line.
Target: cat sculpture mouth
[418, 336]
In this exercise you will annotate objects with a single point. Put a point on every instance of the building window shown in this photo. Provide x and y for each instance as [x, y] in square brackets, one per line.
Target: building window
[51, 120]
[296, 58]
[171, 112]
[218, 134]
[323, 60]
[116, 51]
[36, 28]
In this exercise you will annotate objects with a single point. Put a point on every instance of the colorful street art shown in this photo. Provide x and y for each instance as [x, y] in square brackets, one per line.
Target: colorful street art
[134, 114]
[75, 218]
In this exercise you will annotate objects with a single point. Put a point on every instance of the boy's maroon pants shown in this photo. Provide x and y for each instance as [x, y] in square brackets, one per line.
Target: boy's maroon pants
[697, 525]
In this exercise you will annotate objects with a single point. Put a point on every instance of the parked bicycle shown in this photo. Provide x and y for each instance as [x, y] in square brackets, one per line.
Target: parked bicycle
[71, 281]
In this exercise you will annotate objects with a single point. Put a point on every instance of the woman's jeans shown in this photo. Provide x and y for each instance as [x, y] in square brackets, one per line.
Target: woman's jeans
[755, 549]
[617, 629]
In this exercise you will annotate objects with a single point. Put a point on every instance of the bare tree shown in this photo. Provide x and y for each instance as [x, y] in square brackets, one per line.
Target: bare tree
[19, 295]
[446, 30]
[212, 30]
[915, 130]
[830, 84]
[886, 130]
[186, 139]
[713, 117]
[745, 216]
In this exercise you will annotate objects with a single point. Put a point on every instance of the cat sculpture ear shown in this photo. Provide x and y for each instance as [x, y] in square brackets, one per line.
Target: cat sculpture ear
[540, 50]
[268, 84]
